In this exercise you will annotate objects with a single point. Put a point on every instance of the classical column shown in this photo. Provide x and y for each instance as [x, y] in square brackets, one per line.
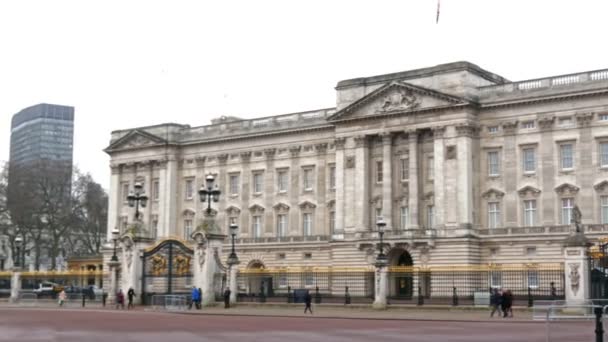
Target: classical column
[465, 134]
[246, 191]
[168, 197]
[511, 164]
[222, 182]
[113, 265]
[269, 191]
[413, 183]
[201, 176]
[361, 190]
[387, 179]
[320, 190]
[546, 168]
[381, 282]
[584, 168]
[339, 204]
[233, 274]
[113, 200]
[294, 192]
[439, 178]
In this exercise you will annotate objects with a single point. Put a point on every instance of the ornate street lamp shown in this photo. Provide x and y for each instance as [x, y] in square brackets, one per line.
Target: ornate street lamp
[137, 198]
[210, 192]
[115, 236]
[232, 258]
[18, 243]
[381, 224]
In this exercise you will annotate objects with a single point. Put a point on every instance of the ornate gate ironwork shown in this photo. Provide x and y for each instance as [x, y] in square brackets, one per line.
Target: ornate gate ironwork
[166, 269]
[598, 269]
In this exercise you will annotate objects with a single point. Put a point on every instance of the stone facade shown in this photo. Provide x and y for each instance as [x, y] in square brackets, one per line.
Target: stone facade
[466, 167]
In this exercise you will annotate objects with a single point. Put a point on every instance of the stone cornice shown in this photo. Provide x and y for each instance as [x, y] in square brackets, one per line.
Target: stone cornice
[361, 141]
[509, 127]
[438, 132]
[546, 123]
[584, 119]
[549, 98]
[200, 161]
[270, 152]
[295, 150]
[340, 142]
[386, 137]
[467, 130]
[222, 158]
[321, 148]
[245, 156]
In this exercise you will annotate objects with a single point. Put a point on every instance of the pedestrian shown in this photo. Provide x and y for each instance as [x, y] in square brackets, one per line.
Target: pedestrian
[195, 298]
[120, 299]
[553, 291]
[308, 302]
[130, 295]
[227, 298]
[507, 303]
[62, 297]
[200, 299]
[495, 302]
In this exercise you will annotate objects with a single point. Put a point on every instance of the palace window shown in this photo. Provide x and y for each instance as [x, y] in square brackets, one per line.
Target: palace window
[187, 229]
[495, 279]
[529, 213]
[566, 156]
[492, 129]
[307, 224]
[604, 209]
[281, 225]
[567, 206]
[604, 154]
[332, 177]
[603, 117]
[256, 226]
[533, 279]
[379, 173]
[493, 163]
[258, 183]
[529, 160]
[527, 124]
[125, 191]
[493, 215]
[234, 184]
[155, 190]
[189, 188]
[405, 217]
[308, 179]
[282, 181]
[405, 169]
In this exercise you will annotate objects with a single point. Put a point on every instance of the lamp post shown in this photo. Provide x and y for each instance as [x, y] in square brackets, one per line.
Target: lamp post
[137, 198]
[209, 193]
[18, 243]
[115, 236]
[233, 258]
[381, 274]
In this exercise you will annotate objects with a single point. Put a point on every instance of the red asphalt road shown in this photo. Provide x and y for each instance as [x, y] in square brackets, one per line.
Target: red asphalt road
[26, 325]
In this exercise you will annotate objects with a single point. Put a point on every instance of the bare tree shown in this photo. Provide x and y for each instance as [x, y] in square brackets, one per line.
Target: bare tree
[90, 210]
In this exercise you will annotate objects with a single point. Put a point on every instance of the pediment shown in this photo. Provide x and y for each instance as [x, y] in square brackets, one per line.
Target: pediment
[493, 193]
[233, 210]
[136, 139]
[601, 186]
[281, 207]
[307, 205]
[396, 98]
[256, 209]
[528, 190]
[567, 189]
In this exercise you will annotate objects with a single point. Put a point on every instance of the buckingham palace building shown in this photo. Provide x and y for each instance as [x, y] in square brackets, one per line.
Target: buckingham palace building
[470, 171]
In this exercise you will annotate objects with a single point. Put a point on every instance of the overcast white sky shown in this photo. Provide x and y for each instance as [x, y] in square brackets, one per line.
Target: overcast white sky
[124, 64]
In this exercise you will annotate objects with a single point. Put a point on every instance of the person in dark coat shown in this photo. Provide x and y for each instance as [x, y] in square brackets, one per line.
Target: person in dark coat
[199, 304]
[227, 298]
[120, 299]
[507, 303]
[130, 296]
[308, 302]
[495, 302]
[195, 298]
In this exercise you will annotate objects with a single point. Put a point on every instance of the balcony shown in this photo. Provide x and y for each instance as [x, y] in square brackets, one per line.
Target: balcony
[284, 239]
[541, 230]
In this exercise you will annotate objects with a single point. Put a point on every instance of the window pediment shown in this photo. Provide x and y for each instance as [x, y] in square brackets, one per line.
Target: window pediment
[567, 189]
[493, 194]
[281, 207]
[331, 204]
[256, 209]
[377, 200]
[601, 186]
[528, 190]
[188, 213]
[307, 205]
[232, 210]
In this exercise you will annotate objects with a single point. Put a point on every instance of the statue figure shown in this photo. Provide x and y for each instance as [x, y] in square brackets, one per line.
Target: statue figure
[576, 218]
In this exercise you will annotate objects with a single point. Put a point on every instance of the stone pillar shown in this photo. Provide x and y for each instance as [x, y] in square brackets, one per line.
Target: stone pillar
[15, 286]
[584, 169]
[413, 183]
[168, 198]
[509, 170]
[546, 170]
[113, 201]
[210, 267]
[246, 189]
[361, 190]
[223, 183]
[113, 265]
[269, 191]
[294, 192]
[131, 264]
[439, 177]
[320, 226]
[233, 284]
[577, 269]
[387, 179]
[465, 134]
[381, 282]
[339, 204]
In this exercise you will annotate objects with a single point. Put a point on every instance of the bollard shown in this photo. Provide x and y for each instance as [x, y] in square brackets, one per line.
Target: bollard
[420, 298]
[83, 300]
[530, 299]
[289, 294]
[317, 296]
[104, 297]
[599, 326]
[346, 296]
[454, 298]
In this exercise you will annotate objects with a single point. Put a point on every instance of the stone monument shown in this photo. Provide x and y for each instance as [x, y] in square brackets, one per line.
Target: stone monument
[576, 265]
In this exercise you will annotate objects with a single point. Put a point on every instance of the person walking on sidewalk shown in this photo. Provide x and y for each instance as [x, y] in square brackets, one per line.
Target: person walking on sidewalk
[62, 297]
[227, 298]
[507, 303]
[495, 302]
[130, 295]
[308, 302]
[195, 298]
[120, 299]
